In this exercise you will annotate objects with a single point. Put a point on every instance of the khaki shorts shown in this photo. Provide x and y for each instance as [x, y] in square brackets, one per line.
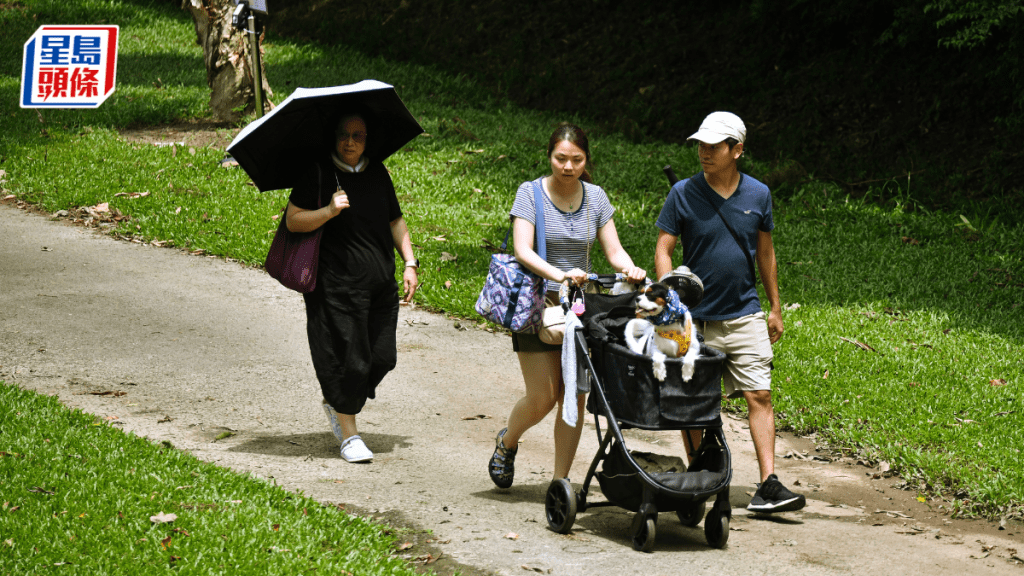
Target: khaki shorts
[748, 352]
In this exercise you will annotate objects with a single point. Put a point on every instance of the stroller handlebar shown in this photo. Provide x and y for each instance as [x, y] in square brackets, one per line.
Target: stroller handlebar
[605, 280]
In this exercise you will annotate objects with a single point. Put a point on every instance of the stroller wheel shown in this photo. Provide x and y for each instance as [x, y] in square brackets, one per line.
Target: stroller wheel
[692, 515]
[560, 506]
[644, 529]
[716, 528]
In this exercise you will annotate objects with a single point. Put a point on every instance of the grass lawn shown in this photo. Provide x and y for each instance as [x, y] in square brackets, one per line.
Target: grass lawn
[83, 496]
[903, 340]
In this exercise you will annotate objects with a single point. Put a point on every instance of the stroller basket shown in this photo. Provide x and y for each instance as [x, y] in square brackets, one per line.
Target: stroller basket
[642, 401]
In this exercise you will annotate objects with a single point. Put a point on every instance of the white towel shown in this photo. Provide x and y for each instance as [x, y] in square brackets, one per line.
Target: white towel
[569, 411]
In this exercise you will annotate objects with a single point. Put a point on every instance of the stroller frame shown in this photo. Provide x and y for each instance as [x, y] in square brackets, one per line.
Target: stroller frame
[685, 493]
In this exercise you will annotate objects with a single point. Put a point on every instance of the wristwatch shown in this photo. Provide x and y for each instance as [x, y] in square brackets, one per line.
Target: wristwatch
[414, 263]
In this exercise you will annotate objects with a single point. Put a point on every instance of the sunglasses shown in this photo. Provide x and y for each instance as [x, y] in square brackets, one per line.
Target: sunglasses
[359, 137]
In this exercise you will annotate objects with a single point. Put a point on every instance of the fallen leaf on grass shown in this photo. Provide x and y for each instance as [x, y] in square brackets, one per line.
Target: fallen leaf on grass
[997, 382]
[162, 518]
[166, 543]
[861, 345]
[40, 490]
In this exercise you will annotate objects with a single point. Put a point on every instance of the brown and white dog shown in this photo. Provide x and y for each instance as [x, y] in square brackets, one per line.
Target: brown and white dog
[663, 328]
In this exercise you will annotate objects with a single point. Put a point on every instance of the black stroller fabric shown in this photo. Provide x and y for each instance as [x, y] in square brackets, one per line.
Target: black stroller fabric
[621, 483]
[640, 400]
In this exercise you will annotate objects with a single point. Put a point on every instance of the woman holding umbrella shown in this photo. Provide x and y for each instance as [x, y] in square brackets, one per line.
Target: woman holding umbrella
[352, 314]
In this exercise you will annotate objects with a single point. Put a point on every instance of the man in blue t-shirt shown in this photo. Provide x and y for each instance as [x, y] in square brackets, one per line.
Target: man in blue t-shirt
[730, 316]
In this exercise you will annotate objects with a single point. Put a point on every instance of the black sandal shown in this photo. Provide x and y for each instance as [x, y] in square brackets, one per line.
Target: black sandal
[502, 466]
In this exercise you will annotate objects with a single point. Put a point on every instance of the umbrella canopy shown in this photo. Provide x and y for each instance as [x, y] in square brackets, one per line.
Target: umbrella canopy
[301, 129]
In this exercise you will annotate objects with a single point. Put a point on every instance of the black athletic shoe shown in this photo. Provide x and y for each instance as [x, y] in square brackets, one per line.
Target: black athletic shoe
[502, 466]
[772, 496]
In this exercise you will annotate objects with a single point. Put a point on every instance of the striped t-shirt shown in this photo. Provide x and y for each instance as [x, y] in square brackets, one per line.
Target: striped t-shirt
[567, 235]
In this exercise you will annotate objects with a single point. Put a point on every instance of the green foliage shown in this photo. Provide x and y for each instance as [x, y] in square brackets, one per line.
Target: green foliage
[854, 91]
[80, 494]
[975, 21]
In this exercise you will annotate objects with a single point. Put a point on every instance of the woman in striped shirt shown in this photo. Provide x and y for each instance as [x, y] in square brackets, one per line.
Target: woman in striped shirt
[576, 212]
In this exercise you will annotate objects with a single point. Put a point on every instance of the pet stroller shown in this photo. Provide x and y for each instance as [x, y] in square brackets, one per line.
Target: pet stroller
[624, 390]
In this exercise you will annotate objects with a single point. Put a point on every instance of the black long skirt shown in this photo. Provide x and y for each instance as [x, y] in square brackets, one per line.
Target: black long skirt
[351, 330]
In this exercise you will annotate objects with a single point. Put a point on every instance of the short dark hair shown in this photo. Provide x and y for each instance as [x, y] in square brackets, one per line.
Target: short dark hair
[732, 142]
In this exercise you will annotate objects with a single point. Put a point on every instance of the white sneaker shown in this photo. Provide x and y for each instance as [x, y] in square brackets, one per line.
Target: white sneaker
[354, 450]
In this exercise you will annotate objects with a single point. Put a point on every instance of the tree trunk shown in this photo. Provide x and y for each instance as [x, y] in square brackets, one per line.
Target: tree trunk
[227, 55]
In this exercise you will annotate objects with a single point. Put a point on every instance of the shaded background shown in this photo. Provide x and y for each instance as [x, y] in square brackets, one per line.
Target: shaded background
[869, 94]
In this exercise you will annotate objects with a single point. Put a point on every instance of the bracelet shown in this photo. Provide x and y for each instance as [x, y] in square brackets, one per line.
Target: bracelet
[414, 263]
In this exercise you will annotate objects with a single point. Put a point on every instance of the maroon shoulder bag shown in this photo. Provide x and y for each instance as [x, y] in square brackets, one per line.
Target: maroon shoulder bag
[293, 256]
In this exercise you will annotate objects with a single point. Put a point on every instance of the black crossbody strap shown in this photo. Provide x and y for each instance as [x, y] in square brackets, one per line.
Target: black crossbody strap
[750, 260]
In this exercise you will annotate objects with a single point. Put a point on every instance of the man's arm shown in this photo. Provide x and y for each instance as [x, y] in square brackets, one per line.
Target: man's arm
[768, 268]
[663, 253]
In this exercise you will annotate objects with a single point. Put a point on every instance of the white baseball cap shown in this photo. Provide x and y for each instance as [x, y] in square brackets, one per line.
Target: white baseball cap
[718, 126]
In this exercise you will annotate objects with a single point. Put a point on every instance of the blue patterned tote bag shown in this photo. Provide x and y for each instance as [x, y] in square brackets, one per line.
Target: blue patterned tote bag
[512, 295]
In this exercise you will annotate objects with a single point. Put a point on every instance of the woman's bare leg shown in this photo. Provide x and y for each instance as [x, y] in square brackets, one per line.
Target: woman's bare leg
[348, 424]
[542, 374]
[567, 438]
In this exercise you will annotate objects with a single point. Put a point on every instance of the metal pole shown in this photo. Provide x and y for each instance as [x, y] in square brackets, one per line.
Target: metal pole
[257, 74]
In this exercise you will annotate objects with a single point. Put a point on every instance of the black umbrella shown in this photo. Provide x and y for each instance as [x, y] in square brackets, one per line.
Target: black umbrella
[272, 149]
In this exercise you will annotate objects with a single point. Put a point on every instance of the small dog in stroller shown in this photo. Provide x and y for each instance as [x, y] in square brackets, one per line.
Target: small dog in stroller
[663, 328]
